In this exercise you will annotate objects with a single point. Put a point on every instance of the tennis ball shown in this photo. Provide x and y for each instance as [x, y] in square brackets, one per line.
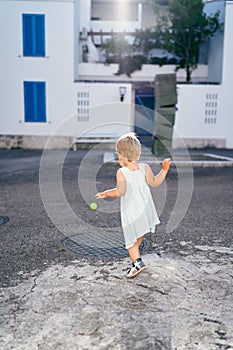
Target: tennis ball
[93, 206]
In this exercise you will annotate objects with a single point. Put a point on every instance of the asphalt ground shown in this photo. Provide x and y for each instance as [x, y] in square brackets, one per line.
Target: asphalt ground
[55, 298]
[31, 241]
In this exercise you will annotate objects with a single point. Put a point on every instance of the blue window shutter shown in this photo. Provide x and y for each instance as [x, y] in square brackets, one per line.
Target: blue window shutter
[27, 35]
[40, 102]
[28, 102]
[34, 102]
[40, 35]
[33, 35]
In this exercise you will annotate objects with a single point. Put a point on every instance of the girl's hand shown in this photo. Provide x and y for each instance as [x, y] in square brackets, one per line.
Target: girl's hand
[100, 195]
[166, 164]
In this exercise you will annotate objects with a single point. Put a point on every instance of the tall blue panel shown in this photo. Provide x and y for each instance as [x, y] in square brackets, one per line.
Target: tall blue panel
[40, 35]
[40, 102]
[34, 102]
[27, 35]
[28, 102]
[33, 35]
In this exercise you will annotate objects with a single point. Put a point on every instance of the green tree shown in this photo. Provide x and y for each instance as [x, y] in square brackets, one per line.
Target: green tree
[118, 50]
[115, 48]
[184, 29]
[144, 40]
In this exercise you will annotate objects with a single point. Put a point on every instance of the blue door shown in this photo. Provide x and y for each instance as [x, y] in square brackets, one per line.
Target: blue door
[144, 115]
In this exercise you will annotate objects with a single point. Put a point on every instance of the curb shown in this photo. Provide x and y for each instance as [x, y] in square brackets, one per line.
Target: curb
[222, 163]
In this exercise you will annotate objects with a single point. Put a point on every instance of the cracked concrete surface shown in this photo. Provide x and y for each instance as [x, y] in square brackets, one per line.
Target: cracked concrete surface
[177, 303]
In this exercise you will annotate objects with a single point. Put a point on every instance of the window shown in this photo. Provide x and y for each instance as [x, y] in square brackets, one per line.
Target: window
[33, 35]
[34, 102]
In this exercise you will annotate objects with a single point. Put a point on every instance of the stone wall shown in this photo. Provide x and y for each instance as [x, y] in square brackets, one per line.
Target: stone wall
[35, 142]
[198, 143]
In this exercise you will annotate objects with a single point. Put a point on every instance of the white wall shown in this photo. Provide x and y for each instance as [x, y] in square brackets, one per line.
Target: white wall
[84, 14]
[204, 116]
[99, 71]
[227, 80]
[115, 10]
[100, 112]
[199, 115]
[56, 69]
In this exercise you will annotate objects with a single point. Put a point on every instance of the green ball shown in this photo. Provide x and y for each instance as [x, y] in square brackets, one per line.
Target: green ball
[93, 206]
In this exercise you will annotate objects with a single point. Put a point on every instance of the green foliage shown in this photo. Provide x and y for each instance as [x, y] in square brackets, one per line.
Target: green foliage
[115, 48]
[180, 32]
[130, 64]
[161, 61]
[118, 50]
[145, 40]
[156, 4]
[162, 2]
[185, 29]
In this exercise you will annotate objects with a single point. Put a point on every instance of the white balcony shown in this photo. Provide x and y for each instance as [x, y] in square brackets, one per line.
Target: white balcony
[103, 72]
[115, 26]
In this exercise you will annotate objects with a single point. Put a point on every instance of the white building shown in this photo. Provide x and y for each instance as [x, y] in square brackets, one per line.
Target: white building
[205, 115]
[39, 95]
[49, 87]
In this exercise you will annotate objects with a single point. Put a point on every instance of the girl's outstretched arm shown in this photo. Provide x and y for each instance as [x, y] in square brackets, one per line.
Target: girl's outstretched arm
[156, 180]
[118, 191]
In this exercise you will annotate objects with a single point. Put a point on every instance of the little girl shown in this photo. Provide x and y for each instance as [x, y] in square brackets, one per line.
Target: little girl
[138, 213]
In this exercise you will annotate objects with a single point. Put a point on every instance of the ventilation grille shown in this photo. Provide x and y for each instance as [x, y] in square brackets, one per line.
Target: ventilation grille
[211, 108]
[83, 106]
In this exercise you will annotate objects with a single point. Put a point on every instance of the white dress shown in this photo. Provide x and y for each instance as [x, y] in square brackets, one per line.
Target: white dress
[138, 213]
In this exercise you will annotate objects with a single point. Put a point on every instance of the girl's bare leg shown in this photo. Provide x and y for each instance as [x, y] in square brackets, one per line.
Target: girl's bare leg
[139, 240]
[134, 250]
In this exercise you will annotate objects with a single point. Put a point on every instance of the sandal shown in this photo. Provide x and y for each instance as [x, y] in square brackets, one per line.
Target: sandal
[138, 267]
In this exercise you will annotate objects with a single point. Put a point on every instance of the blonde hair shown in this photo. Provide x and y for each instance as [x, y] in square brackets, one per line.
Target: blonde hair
[129, 147]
